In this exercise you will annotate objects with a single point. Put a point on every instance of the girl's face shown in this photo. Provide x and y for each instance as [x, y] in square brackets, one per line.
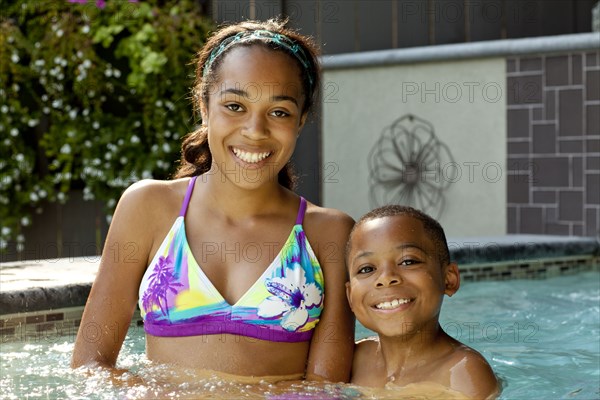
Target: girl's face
[254, 114]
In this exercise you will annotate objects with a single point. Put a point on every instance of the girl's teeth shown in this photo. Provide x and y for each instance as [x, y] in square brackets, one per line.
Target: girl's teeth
[388, 305]
[250, 157]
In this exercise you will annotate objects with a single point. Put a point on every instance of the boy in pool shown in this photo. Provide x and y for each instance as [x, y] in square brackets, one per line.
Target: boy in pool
[399, 271]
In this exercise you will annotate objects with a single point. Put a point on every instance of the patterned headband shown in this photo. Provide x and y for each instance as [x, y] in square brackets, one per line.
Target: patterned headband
[266, 36]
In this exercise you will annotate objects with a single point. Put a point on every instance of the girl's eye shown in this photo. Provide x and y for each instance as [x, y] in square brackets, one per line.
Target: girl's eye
[234, 107]
[366, 269]
[280, 113]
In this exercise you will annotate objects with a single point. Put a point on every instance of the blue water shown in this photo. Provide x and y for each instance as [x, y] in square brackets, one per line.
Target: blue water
[541, 337]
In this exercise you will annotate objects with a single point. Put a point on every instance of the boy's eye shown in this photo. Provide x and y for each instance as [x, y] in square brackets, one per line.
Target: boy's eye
[409, 262]
[366, 269]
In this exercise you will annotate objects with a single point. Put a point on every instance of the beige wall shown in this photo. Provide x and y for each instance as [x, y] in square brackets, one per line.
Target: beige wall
[465, 101]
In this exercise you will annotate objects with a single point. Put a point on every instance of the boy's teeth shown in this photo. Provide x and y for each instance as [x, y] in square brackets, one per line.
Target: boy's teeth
[250, 157]
[388, 305]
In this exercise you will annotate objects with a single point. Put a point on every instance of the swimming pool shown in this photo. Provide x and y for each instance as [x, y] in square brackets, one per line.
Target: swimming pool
[542, 337]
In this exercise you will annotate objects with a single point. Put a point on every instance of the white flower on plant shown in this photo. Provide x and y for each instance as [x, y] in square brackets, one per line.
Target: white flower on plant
[44, 97]
[158, 103]
[37, 45]
[137, 124]
[46, 110]
[25, 221]
[20, 157]
[87, 63]
[146, 174]
[87, 144]
[86, 112]
[73, 114]
[59, 33]
[42, 193]
[95, 125]
[4, 109]
[57, 103]
[33, 197]
[33, 122]
[14, 132]
[85, 29]
[6, 231]
[14, 58]
[291, 297]
[108, 73]
[71, 134]
[61, 196]
[121, 99]
[117, 73]
[166, 148]
[65, 149]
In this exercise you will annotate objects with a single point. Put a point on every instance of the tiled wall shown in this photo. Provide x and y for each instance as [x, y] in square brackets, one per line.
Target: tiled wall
[554, 144]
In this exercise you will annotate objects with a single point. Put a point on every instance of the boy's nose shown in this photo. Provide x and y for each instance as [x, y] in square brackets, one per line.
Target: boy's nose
[255, 128]
[389, 276]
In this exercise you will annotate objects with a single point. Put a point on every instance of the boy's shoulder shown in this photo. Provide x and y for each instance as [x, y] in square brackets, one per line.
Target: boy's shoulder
[467, 371]
[368, 367]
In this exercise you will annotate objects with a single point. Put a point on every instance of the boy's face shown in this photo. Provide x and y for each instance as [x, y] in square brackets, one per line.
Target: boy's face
[396, 281]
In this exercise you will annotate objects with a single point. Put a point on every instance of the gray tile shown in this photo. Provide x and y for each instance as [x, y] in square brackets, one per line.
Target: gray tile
[518, 123]
[511, 215]
[511, 65]
[577, 230]
[520, 165]
[521, 147]
[591, 222]
[570, 146]
[557, 229]
[593, 145]
[550, 104]
[570, 112]
[592, 85]
[531, 220]
[538, 114]
[592, 119]
[552, 213]
[550, 172]
[592, 163]
[576, 69]
[577, 172]
[517, 189]
[592, 188]
[544, 197]
[557, 71]
[531, 64]
[524, 89]
[570, 205]
[591, 59]
[544, 139]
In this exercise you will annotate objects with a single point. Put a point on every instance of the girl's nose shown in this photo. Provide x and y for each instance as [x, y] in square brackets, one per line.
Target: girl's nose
[255, 128]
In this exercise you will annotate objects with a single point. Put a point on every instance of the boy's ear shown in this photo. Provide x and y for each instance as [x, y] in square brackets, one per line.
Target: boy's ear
[349, 294]
[451, 279]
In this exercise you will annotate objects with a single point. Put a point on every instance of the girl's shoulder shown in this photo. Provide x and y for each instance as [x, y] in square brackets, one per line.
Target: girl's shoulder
[327, 218]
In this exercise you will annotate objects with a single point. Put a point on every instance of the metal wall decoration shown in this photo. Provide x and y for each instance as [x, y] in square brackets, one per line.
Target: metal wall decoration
[409, 165]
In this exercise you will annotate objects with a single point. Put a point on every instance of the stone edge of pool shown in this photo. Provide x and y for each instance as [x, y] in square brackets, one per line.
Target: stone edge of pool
[35, 285]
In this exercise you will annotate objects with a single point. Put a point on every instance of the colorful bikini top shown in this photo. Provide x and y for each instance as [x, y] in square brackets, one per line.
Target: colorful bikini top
[176, 298]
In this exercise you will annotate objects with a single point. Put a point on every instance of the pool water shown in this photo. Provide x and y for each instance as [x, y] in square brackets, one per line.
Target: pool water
[541, 337]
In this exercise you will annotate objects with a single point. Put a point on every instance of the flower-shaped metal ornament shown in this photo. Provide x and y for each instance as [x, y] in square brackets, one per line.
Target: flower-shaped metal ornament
[409, 165]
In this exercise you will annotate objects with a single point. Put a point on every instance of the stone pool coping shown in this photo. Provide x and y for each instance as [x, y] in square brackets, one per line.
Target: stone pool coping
[34, 285]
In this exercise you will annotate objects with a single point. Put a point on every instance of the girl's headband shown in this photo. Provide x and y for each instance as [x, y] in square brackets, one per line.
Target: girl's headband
[266, 36]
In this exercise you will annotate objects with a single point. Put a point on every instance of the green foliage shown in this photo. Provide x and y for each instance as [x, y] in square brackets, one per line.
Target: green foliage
[92, 98]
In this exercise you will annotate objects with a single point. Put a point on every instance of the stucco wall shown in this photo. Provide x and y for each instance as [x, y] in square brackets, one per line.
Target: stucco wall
[464, 100]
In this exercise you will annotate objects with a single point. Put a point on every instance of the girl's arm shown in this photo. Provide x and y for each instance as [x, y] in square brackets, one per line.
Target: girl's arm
[114, 294]
[332, 345]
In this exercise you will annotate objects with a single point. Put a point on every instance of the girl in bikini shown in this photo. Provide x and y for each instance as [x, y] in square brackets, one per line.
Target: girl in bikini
[232, 270]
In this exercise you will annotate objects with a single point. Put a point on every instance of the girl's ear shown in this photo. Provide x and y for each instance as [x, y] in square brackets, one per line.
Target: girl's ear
[302, 122]
[204, 113]
[451, 279]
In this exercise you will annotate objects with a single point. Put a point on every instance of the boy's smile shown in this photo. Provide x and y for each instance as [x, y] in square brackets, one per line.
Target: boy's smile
[396, 281]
